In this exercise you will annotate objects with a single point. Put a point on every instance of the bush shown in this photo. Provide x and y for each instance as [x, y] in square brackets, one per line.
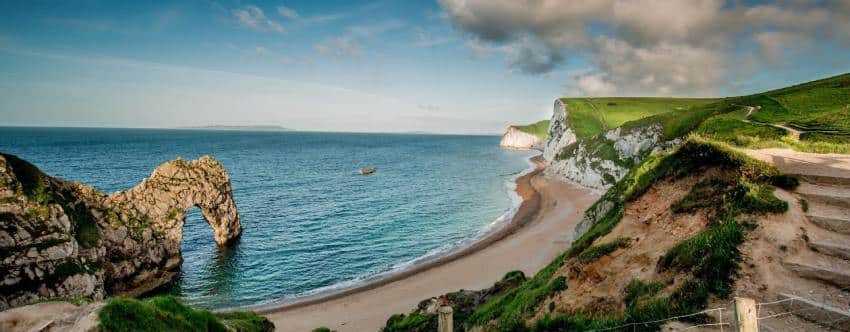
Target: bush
[166, 313]
[558, 285]
[758, 198]
[414, 322]
[785, 181]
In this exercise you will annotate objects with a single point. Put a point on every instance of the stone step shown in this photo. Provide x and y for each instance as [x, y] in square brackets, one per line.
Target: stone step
[825, 180]
[830, 217]
[838, 250]
[834, 274]
[827, 194]
[817, 312]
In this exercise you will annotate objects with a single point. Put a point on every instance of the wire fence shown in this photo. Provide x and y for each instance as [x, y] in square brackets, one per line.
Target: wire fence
[817, 310]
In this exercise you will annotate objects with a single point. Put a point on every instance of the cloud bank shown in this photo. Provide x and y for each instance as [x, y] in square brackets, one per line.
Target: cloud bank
[648, 47]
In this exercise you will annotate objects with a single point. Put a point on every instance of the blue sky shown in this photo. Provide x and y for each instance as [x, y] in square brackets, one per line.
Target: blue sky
[451, 66]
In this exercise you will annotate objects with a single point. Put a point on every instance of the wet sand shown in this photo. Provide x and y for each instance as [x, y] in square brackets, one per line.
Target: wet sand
[541, 229]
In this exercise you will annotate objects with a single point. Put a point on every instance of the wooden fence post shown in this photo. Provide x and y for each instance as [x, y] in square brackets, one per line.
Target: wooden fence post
[746, 315]
[444, 320]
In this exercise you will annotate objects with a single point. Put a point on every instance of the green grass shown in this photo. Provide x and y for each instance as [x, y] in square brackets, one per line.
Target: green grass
[741, 133]
[819, 109]
[511, 310]
[165, 313]
[38, 189]
[712, 256]
[591, 116]
[413, 322]
[595, 252]
[539, 129]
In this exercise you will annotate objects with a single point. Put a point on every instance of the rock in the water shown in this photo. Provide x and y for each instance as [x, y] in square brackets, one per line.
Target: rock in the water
[64, 239]
[367, 170]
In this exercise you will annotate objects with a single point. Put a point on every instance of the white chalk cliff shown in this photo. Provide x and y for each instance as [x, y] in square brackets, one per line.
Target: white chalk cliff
[600, 161]
[514, 138]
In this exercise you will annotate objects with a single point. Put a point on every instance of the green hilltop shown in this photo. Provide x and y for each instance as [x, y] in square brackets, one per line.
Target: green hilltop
[813, 116]
[539, 129]
[591, 116]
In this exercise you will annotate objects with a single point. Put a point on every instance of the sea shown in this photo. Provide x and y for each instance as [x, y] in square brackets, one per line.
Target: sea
[311, 223]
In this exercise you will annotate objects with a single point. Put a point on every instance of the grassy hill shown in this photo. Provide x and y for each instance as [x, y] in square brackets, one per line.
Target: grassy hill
[688, 212]
[811, 117]
[591, 116]
[539, 129]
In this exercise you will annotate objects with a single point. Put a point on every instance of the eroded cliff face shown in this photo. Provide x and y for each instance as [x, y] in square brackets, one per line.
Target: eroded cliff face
[518, 139]
[65, 239]
[560, 135]
[600, 161]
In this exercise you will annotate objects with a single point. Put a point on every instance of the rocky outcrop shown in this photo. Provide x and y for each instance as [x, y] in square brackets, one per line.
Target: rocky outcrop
[560, 135]
[601, 161]
[514, 138]
[65, 239]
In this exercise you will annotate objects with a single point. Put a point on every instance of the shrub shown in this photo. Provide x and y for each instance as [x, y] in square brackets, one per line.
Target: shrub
[804, 204]
[166, 313]
[558, 285]
[756, 198]
[413, 322]
[785, 181]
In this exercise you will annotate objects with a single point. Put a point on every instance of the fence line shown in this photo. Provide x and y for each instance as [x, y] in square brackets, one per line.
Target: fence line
[721, 323]
[658, 320]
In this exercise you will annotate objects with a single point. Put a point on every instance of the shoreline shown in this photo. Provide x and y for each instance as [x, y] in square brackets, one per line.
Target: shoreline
[526, 211]
[553, 207]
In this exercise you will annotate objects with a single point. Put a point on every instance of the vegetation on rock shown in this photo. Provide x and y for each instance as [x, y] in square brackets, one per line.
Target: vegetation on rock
[165, 313]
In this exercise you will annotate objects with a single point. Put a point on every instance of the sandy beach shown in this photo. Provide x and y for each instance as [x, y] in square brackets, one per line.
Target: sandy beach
[541, 229]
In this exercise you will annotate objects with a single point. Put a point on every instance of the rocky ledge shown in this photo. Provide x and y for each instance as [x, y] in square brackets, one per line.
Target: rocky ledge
[64, 239]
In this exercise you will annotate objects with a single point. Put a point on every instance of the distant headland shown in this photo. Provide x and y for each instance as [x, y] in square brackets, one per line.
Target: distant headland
[243, 128]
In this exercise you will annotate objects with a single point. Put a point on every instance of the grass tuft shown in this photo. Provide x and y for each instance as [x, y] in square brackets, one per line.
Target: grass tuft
[595, 252]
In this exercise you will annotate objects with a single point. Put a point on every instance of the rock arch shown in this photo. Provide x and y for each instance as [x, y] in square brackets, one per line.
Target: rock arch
[61, 238]
[145, 223]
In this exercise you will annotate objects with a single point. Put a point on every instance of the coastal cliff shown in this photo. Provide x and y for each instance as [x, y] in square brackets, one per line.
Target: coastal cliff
[599, 161]
[528, 137]
[65, 239]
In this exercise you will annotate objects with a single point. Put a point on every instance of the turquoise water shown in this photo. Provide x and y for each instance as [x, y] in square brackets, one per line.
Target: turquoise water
[311, 224]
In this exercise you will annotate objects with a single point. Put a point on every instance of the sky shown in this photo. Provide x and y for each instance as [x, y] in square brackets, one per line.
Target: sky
[444, 66]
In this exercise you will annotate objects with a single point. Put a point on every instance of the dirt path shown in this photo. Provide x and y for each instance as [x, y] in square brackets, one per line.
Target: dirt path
[795, 133]
[804, 163]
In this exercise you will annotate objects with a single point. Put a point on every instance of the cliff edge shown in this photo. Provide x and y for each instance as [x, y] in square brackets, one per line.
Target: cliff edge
[65, 239]
[528, 137]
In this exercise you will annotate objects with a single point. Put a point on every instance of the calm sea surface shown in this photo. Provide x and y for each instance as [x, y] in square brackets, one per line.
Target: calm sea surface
[310, 222]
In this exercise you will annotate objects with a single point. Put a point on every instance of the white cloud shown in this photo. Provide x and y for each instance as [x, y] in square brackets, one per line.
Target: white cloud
[340, 47]
[646, 46]
[253, 17]
[425, 38]
[774, 44]
[595, 86]
[287, 12]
